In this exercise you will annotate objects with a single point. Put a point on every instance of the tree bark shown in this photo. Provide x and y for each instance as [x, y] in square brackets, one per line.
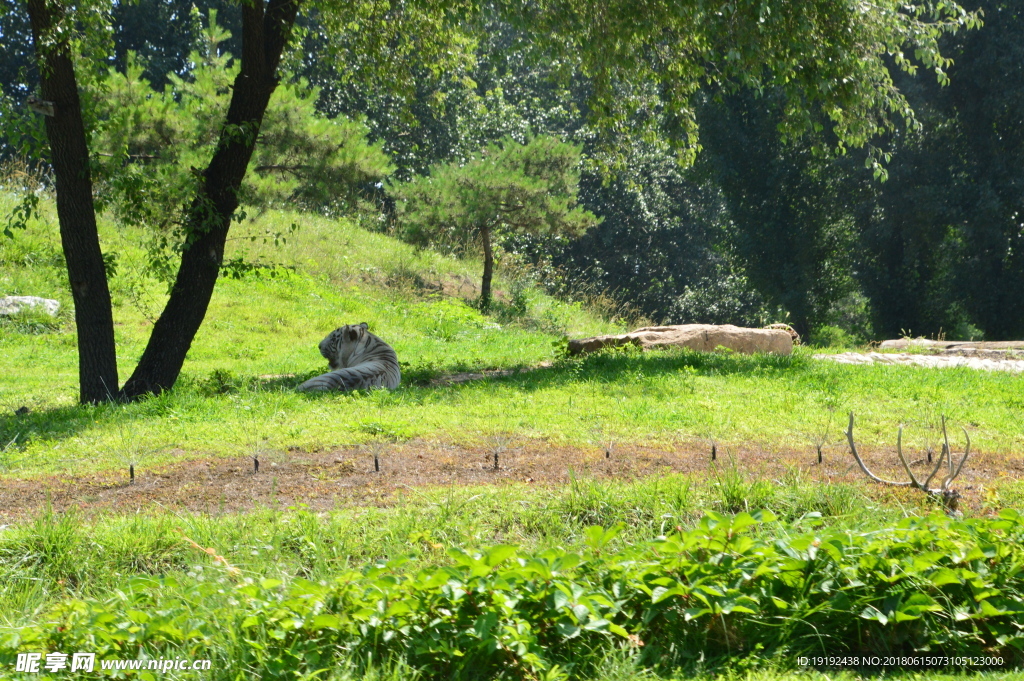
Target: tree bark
[485, 285]
[265, 32]
[69, 155]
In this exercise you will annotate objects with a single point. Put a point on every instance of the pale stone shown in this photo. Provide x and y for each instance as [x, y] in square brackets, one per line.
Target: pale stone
[931, 361]
[702, 337]
[15, 304]
[938, 346]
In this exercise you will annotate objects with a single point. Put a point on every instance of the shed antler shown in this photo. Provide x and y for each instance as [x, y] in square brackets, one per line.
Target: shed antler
[950, 497]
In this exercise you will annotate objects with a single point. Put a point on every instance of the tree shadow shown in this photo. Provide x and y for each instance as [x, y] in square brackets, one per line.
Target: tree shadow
[282, 382]
[59, 423]
[56, 423]
[612, 366]
[607, 367]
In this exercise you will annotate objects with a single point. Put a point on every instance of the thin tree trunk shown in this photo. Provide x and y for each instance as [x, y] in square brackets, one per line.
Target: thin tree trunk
[264, 35]
[485, 286]
[69, 155]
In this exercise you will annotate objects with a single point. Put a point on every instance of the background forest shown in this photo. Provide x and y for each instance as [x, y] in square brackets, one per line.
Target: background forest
[478, 182]
[761, 227]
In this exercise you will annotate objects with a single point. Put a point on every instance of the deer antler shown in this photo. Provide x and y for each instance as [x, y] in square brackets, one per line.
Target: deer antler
[863, 466]
[949, 496]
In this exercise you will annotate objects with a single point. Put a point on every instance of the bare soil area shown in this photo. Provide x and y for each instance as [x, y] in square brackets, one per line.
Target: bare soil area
[346, 477]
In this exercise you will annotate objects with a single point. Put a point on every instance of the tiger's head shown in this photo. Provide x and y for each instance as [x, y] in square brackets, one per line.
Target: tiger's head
[342, 343]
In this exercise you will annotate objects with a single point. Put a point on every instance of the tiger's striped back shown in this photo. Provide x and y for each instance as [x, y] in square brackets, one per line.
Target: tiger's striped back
[358, 360]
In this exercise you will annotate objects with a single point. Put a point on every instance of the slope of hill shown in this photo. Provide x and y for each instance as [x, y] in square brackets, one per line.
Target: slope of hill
[260, 339]
[531, 457]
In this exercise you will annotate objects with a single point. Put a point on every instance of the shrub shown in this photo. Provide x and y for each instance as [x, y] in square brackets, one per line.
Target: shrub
[724, 589]
[832, 337]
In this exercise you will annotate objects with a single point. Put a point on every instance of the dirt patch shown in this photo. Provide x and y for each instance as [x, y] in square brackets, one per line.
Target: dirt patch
[346, 477]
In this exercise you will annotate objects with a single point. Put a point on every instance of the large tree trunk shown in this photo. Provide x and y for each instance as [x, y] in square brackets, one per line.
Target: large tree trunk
[264, 35]
[485, 285]
[69, 155]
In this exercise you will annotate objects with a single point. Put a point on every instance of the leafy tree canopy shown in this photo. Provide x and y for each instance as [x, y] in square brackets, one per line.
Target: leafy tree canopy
[508, 189]
[827, 58]
[646, 63]
[146, 141]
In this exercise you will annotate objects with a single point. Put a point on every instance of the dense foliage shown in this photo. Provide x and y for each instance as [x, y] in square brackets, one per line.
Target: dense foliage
[775, 223]
[942, 243]
[148, 141]
[766, 227]
[732, 586]
[509, 189]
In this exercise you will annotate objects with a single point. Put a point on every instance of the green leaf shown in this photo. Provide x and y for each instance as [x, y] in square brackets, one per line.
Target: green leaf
[325, 621]
[870, 612]
[567, 630]
[660, 594]
[730, 606]
[499, 554]
[618, 630]
[484, 624]
[597, 537]
[944, 576]
[741, 521]
[987, 609]
[694, 613]
[916, 605]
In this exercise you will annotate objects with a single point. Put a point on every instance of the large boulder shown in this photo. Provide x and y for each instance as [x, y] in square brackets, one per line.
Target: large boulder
[15, 304]
[703, 337]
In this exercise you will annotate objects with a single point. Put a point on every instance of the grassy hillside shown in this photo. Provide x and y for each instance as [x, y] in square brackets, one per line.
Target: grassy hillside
[261, 333]
[269, 321]
[628, 434]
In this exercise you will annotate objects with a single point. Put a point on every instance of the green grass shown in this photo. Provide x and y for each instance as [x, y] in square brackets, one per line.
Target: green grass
[290, 569]
[263, 325]
[660, 398]
[259, 341]
[57, 555]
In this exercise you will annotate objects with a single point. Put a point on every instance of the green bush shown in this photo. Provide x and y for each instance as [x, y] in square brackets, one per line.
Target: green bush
[725, 589]
[832, 337]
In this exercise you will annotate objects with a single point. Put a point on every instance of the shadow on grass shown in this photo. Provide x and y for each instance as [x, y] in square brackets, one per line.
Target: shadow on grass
[189, 400]
[191, 397]
[607, 366]
[17, 430]
[611, 366]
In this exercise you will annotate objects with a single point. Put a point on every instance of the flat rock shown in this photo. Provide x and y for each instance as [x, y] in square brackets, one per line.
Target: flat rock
[702, 337]
[15, 304]
[950, 346]
[932, 361]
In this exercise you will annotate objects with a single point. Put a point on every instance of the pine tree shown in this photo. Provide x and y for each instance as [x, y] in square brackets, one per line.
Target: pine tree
[509, 188]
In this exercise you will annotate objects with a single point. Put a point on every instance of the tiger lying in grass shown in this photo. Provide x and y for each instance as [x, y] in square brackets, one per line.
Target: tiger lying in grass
[358, 360]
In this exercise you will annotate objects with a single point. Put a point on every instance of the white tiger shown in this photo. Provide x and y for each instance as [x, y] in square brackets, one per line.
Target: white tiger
[358, 360]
